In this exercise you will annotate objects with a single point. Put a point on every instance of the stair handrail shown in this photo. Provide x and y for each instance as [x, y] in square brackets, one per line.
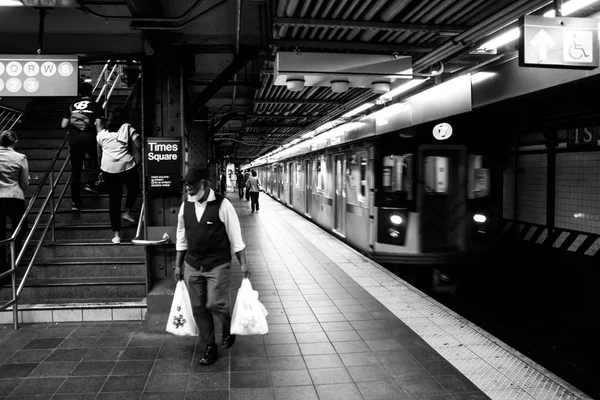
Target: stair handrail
[15, 261]
[9, 117]
[142, 242]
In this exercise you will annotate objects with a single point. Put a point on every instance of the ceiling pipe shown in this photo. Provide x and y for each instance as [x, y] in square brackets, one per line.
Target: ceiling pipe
[180, 18]
[134, 24]
[387, 15]
[482, 29]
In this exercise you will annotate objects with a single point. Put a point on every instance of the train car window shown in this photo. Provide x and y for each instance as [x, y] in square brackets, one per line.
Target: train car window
[363, 178]
[298, 175]
[436, 174]
[397, 175]
[479, 177]
[321, 175]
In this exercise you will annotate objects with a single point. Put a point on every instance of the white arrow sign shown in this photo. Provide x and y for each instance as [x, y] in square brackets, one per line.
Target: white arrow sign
[542, 41]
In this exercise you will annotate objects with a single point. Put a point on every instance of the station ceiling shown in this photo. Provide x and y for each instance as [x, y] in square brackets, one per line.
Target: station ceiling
[235, 45]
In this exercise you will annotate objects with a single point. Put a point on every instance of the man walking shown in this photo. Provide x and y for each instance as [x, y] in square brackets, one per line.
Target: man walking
[208, 230]
[81, 119]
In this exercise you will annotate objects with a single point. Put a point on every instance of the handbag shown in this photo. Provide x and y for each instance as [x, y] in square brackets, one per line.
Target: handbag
[181, 319]
[132, 148]
[249, 314]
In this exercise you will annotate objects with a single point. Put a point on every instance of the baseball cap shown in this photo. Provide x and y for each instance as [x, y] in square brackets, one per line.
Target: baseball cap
[196, 174]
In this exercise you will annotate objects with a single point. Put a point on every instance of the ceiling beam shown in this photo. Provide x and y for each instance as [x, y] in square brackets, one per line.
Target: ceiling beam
[274, 126]
[447, 30]
[292, 116]
[206, 82]
[342, 45]
[308, 101]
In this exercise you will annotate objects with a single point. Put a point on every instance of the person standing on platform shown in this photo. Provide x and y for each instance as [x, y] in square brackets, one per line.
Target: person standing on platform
[246, 177]
[253, 186]
[82, 119]
[14, 180]
[223, 184]
[208, 231]
[240, 184]
[119, 167]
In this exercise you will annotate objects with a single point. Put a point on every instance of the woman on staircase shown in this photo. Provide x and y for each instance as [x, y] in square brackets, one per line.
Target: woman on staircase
[14, 180]
[119, 141]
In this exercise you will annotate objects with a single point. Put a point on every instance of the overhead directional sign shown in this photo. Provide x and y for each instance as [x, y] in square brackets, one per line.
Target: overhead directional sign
[35, 75]
[558, 42]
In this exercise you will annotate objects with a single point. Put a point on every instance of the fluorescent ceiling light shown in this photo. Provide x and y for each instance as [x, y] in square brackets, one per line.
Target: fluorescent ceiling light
[513, 34]
[10, 3]
[402, 88]
[358, 110]
[570, 7]
[499, 41]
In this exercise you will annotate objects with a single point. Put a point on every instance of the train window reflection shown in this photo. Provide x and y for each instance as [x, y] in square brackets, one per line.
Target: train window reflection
[363, 178]
[436, 174]
[397, 174]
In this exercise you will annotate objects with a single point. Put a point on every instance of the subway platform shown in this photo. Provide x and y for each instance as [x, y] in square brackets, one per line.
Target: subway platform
[341, 327]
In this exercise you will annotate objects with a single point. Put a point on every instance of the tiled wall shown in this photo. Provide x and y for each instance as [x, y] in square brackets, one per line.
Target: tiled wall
[530, 174]
[578, 191]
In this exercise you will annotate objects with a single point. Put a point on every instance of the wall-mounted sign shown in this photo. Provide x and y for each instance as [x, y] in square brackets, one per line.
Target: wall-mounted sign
[442, 131]
[558, 42]
[35, 75]
[163, 163]
[586, 137]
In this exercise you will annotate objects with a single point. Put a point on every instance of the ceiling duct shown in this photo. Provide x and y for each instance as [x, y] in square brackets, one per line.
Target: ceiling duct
[339, 71]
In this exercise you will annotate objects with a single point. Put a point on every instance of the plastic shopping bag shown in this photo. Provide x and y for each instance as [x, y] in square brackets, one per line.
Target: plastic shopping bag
[249, 314]
[181, 320]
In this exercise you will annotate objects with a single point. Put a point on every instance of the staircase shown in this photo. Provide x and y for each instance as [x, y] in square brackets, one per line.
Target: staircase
[78, 274]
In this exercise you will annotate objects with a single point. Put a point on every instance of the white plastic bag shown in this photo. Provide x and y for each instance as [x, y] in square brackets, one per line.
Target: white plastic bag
[181, 320]
[249, 314]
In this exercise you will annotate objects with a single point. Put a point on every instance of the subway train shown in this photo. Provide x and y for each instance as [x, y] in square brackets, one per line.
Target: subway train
[401, 185]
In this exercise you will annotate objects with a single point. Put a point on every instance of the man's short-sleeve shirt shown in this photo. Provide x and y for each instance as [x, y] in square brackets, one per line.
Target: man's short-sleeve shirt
[93, 110]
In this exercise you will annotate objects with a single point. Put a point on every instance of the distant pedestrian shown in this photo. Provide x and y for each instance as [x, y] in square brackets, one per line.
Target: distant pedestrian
[82, 119]
[223, 184]
[14, 180]
[119, 167]
[240, 184]
[246, 177]
[253, 187]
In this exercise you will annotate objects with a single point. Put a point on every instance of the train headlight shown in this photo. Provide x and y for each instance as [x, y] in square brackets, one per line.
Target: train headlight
[479, 218]
[394, 233]
[396, 219]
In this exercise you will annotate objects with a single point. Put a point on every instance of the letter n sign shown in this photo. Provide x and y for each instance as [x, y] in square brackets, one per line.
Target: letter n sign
[163, 163]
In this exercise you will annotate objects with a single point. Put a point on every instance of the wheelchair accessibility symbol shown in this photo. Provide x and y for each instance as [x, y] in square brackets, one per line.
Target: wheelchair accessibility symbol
[578, 46]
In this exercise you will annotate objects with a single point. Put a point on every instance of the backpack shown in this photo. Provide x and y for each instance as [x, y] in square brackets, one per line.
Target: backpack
[79, 121]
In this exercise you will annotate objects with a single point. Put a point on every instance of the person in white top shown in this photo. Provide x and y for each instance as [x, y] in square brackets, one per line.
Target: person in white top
[208, 231]
[119, 168]
[14, 180]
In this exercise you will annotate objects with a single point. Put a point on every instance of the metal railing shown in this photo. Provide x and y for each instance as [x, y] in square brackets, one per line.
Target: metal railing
[141, 242]
[9, 119]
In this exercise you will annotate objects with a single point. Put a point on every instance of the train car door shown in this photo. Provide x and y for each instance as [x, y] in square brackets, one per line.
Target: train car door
[290, 182]
[340, 194]
[442, 202]
[308, 185]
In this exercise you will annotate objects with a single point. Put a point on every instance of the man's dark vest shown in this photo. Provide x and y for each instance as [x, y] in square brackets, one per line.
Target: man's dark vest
[208, 244]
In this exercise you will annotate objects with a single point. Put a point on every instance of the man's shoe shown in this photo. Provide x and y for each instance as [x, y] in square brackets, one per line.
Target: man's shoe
[228, 342]
[90, 188]
[210, 354]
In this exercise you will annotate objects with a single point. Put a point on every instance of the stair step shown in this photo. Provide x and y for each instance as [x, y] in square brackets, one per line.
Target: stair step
[64, 288]
[69, 310]
[89, 281]
[91, 248]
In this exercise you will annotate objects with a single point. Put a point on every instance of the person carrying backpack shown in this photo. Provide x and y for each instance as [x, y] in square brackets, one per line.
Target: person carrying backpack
[81, 120]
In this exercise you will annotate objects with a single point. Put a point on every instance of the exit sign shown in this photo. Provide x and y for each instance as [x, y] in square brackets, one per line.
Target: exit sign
[49, 3]
[558, 42]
